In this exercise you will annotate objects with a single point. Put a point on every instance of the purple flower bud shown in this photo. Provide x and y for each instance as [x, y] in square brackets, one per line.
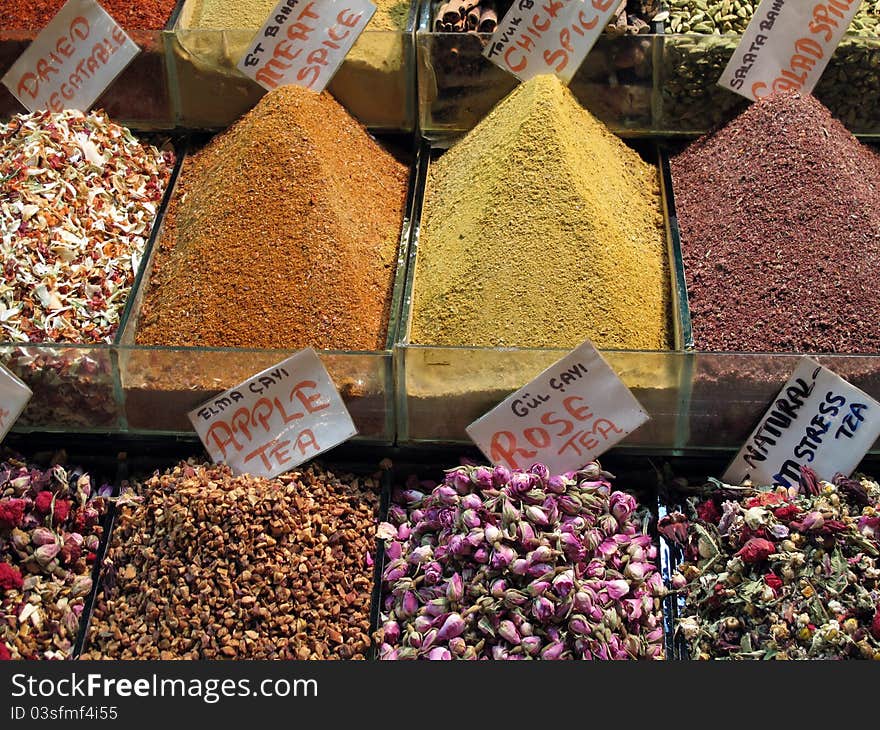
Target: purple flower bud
[481, 555]
[538, 570]
[519, 483]
[81, 586]
[520, 566]
[813, 521]
[540, 471]
[453, 626]
[446, 495]
[394, 571]
[541, 554]
[492, 534]
[500, 476]
[439, 653]
[637, 571]
[421, 554]
[607, 548]
[553, 651]
[564, 583]
[608, 524]
[558, 484]
[423, 623]
[433, 573]
[569, 504]
[387, 652]
[617, 589]
[459, 480]
[592, 540]
[458, 545]
[655, 635]
[409, 604]
[538, 587]
[45, 554]
[621, 505]
[526, 535]
[655, 584]
[458, 646]
[412, 496]
[508, 632]
[583, 601]
[543, 609]
[391, 631]
[393, 550]
[531, 645]
[497, 588]
[678, 581]
[536, 515]
[43, 536]
[482, 477]
[578, 624]
[509, 514]
[500, 653]
[471, 501]
[455, 588]
[502, 556]
[632, 607]
[476, 537]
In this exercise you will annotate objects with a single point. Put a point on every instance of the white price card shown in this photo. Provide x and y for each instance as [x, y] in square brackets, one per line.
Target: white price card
[14, 396]
[567, 416]
[787, 46]
[817, 420]
[304, 42]
[276, 420]
[72, 61]
[548, 36]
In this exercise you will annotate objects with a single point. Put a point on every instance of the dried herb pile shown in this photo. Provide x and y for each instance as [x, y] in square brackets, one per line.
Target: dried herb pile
[282, 233]
[542, 229]
[780, 574]
[78, 201]
[493, 564]
[781, 232]
[50, 533]
[207, 565]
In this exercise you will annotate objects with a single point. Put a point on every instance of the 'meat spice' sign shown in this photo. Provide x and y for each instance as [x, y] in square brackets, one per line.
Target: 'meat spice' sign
[548, 36]
[72, 61]
[571, 413]
[303, 42]
[276, 420]
[817, 420]
[787, 46]
[14, 396]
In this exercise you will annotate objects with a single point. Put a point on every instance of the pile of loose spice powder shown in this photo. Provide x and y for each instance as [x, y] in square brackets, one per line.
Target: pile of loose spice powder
[542, 229]
[241, 14]
[208, 565]
[781, 232]
[137, 15]
[78, 204]
[282, 233]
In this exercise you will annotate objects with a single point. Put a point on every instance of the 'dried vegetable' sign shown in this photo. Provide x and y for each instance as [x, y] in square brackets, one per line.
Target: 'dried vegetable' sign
[276, 420]
[571, 413]
[817, 420]
[72, 61]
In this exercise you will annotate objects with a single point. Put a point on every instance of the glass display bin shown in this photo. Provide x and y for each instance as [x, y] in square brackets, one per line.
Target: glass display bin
[375, 83]
[441, 390]
[458, 86]
[160, 385]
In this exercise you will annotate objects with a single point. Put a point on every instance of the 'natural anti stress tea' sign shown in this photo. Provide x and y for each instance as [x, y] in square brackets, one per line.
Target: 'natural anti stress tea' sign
[817, 420]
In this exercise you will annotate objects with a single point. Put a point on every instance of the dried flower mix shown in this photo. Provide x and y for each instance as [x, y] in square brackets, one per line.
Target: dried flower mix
[78, 203]
[780, 232]
[130, 14]
[282, 233]
[494, 564]
[780, 573]
[542, 229]
[50, 532]
[206, 565]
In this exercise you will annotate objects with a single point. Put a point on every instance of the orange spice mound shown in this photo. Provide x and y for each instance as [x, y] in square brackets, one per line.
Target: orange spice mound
[282, 233]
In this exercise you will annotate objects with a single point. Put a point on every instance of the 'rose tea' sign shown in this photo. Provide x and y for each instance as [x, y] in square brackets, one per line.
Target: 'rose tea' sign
[571, 413]
[304, 42]
[787, 46]
[817, 420]
[72, 61]
[548, 36]
[14, 396]
[276, 420]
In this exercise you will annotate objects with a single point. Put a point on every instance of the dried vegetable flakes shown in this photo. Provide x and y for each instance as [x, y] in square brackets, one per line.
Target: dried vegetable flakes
[78, 201]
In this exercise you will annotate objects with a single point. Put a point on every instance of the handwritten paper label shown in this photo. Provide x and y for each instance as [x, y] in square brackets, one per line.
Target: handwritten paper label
[14, 396]
[548, 36]
[566, 417]
[817, 420]
[276, 420]
[787, 46]
[303, 42]
[72, 61]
